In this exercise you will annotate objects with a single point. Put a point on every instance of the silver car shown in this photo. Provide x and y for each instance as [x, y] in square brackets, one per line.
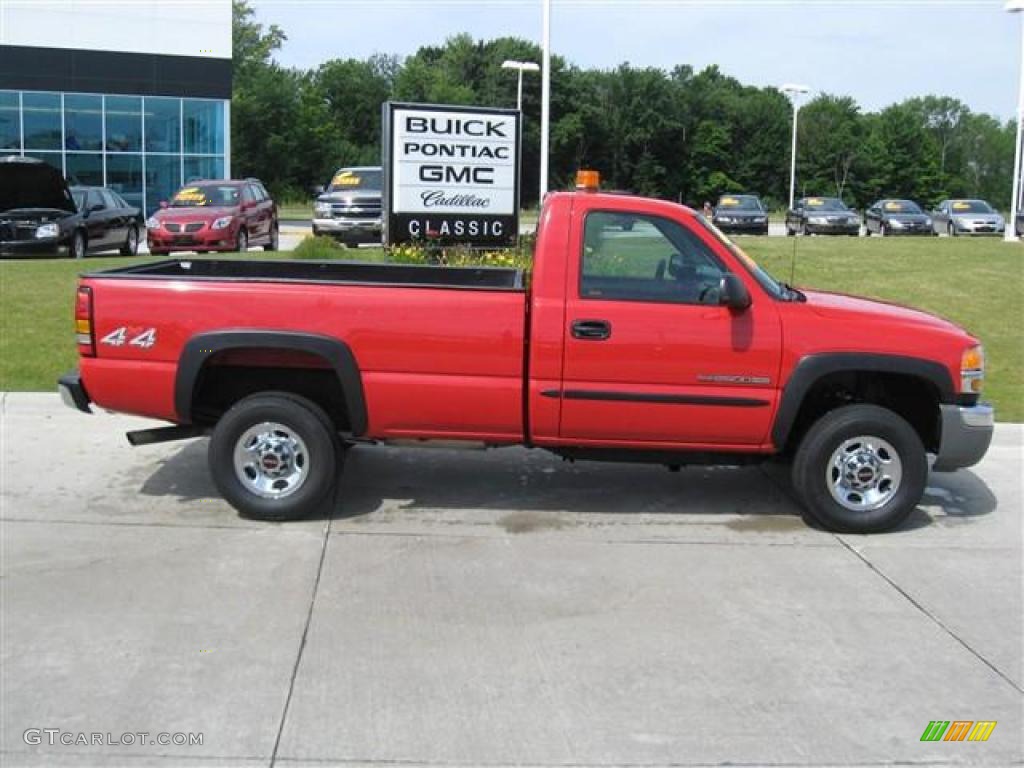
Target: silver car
[967, 217]
[349, 208]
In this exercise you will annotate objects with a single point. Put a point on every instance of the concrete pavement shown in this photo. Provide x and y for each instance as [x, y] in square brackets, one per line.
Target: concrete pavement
[500, 608]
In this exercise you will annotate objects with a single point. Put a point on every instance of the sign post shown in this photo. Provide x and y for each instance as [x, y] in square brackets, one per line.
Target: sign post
[451, 174]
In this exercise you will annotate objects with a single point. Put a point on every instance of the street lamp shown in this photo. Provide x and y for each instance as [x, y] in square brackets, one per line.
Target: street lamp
[1010, 231]
[521, 66]
[794, 91]
[545, 95]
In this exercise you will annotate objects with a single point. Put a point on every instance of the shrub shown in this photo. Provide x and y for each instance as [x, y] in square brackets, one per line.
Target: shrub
[320, 248]
[463, 256]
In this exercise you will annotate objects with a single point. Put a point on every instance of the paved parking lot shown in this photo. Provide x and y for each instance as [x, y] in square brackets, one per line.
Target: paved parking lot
[487, 609]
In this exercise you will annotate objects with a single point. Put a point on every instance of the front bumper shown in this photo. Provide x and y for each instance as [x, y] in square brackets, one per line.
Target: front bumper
[966, 435]
[72, 391]
[205, 239]
[970, 228]
[742, 226]
[833, 229]
[369, 228]
[50, 246]
[913, 229]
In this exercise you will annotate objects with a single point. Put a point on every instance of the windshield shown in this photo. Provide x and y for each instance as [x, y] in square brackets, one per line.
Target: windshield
[348, 179]
[79, 196]
[825, 204]
[739, 203]
[971, 206]
[901, 206]
[769, 283]
[203, 195]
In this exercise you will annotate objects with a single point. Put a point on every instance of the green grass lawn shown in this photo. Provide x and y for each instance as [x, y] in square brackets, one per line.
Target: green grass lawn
[976, 283]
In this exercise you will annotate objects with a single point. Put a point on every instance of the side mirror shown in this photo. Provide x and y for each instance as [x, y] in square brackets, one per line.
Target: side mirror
[163, 203]
[95, 207]
[733, 293]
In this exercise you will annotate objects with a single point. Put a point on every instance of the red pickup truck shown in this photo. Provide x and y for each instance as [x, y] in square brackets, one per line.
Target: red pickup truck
[643, 334]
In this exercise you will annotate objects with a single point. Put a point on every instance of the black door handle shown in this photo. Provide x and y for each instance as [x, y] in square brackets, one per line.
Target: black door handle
[593, 330]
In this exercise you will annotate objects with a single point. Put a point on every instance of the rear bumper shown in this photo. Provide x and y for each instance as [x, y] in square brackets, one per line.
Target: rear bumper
[966, 435]
[72, 391]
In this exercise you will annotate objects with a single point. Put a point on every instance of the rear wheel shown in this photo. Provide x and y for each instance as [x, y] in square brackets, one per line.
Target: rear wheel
[950, 229]
[860, 469]
[274, 456]
[131, 242]
[272, 244]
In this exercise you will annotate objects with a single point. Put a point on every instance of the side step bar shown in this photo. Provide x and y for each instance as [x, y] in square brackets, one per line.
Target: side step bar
[163, 434]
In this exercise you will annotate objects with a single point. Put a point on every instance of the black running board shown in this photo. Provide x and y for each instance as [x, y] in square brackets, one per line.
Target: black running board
[163, 434]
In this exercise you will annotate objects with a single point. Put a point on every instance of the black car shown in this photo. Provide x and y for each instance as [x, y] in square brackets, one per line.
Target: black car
[741, 214]
[40, 214]
[822, 216]
[897, 217]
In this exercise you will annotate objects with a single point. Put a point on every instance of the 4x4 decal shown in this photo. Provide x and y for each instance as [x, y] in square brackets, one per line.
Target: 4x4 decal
[119, 337]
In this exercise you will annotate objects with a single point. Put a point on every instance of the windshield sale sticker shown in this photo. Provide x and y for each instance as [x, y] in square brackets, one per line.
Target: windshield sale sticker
[451, 174]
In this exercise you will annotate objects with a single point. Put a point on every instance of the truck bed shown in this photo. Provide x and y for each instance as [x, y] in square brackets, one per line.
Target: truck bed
[335, 272]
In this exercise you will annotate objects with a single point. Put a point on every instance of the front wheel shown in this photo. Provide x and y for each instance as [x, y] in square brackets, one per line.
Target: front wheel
[860, 469]
[77, 249]
[274, 241]
[242, 242]
[274, 456]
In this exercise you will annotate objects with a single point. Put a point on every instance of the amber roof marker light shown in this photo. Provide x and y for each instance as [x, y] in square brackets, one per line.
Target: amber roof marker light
[587, 181]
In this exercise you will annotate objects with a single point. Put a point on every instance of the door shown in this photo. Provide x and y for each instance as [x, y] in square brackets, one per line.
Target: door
[117, 219]
[649, 354]
[96, 223]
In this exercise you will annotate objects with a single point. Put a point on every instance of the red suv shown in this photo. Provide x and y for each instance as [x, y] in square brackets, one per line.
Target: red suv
[216, 215]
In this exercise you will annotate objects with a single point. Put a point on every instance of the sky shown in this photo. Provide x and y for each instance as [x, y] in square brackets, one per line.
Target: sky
[877, 51]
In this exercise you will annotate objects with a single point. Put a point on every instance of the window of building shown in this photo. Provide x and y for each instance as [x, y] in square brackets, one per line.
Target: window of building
[84, 169]
[163, 124]
[10, 120]
[203, 127]
[51, 158]
[203, 168]
[163, 178]
[42, 120]
[124, 123]
[646, 258]
[83, 122]
[124, 176]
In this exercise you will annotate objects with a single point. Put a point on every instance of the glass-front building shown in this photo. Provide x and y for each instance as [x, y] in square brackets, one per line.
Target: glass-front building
[143, 147]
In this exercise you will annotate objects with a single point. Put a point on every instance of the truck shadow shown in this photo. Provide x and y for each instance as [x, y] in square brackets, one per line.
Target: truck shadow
[394, 484]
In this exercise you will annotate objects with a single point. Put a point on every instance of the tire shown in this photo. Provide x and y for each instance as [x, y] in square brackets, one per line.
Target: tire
[77, 248]
[274, 241]
[789, 232]
[950, 229]
[131, 242]
[882, 231]
[895, 452]
[294, 465]
[242, 241]
[803, 229]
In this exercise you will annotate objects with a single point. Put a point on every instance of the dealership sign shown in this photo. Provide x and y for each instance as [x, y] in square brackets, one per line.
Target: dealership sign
[451, 174]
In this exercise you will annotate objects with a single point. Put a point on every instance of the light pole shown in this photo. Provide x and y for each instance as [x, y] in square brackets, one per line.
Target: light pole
[520, 66]
[1010, 231]
[545, 96]
[793, 91]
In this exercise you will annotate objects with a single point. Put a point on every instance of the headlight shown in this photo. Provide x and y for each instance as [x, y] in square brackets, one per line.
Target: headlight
[760, 219]
[222, 223]
[928, 222]
[152, 223]
[724, 219]
[48, 230]
[322, 207]
[972, 369]
[896, 223]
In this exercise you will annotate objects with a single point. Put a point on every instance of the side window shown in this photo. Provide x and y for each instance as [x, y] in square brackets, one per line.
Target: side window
[95, 199]
[109, 200]
[630, 257]
[247, 195]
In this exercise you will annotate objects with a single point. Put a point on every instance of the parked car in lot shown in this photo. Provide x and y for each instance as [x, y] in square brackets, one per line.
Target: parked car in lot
[896, 217]
[741, 214]
[967, 217]
[350, 207]
[41, 215]
[663, 344]
[215, 215]
[1020, 223]
[821, 216]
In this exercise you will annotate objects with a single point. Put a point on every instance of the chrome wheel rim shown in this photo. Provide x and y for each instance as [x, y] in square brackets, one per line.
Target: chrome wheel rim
[78, 246]
[271, 460]
[133, 240]
[864, 473]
